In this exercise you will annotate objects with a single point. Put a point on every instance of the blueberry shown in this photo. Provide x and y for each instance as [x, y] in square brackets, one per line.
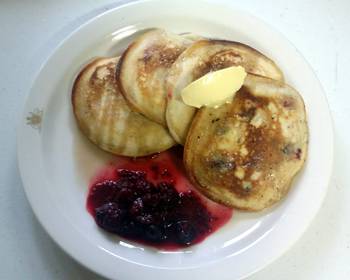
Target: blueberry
[142, 187]
[136, 207]
[168, 194]
[130, 229]
[145, 219]
[131, 175]
[109, 216]
[154, 200]
[125, 195]
[147, 199]
[185, 232]
[154, 233]
[104, 191]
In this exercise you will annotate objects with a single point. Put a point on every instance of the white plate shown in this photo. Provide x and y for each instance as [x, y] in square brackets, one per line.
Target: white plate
[56, 162]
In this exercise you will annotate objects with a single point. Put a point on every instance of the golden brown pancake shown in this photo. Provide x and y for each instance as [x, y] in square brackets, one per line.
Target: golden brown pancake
[105, 118]
[142, 70]
[200, 58]
[245, 154]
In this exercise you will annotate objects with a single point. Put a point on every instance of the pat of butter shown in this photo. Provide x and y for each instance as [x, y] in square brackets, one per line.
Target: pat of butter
[214, 88]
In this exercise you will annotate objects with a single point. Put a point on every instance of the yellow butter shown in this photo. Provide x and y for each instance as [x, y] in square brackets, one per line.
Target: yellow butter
[214, 88]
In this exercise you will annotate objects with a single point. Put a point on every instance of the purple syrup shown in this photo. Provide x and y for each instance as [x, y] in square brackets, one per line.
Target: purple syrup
[150, 200]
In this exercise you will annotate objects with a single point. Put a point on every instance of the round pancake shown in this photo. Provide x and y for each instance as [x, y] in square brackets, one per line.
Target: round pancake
[105, 118]
[245, 154]
[142, 69]
[200, 58]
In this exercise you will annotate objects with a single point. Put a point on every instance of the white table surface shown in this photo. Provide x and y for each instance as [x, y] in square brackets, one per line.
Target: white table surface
[29, 30]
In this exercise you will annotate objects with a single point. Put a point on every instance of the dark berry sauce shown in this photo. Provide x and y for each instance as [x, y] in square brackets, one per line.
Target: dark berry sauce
[150, 200]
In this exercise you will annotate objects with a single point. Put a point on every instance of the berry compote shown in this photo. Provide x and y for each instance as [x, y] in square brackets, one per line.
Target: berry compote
[150, 200]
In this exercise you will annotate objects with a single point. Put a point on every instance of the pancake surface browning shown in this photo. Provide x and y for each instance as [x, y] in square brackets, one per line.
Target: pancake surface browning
[105, 118]
[142, 70]
[245, 154]
[200, 58]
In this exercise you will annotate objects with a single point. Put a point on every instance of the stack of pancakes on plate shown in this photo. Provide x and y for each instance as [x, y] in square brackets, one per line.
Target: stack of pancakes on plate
[243, 154]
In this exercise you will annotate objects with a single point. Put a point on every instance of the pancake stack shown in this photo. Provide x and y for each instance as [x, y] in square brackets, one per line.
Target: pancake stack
[243, 154]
